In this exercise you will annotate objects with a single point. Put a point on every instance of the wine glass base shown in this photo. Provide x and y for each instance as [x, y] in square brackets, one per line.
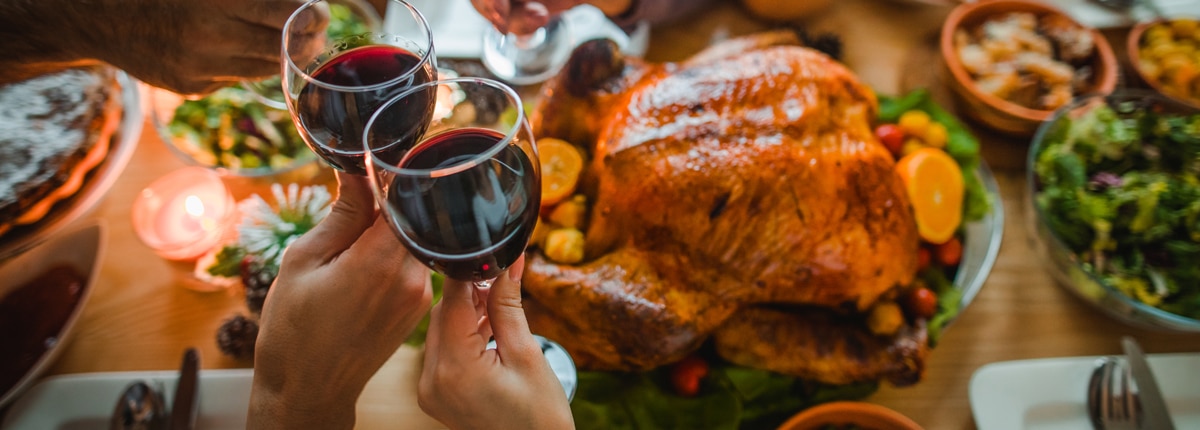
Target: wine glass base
[560, 362]
[525, 60]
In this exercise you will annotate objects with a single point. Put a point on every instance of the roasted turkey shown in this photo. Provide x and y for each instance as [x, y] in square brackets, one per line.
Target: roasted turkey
[740, 196]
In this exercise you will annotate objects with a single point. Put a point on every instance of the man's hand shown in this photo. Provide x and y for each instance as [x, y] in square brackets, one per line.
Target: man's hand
[526, 16]
[347, 296]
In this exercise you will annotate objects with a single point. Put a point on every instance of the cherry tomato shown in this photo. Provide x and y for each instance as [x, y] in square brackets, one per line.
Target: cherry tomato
[921, 302]
[950, 253]
[892, 137]
[924, 258]
[687, 374]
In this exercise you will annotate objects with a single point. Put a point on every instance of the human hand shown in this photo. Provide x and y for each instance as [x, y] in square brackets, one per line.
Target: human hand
[190, 47]
[347, 296]
[525, 16]
[465, 386]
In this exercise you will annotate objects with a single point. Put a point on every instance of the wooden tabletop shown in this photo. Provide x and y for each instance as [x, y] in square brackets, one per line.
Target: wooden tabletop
[142, 316]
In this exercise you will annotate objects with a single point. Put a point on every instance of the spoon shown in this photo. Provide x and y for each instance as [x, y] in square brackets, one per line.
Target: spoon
[140, 407]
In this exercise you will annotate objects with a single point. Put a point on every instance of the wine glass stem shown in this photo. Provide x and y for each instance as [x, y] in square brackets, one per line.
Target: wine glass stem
[484, 285]
[529, 41]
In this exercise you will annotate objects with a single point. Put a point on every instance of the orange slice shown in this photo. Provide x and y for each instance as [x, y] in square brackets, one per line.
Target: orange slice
[561, 166]
[935, 186]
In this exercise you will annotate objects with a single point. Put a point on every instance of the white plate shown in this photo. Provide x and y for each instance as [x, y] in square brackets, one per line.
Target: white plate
[1051, 393]
[86, 401]
[80, 250]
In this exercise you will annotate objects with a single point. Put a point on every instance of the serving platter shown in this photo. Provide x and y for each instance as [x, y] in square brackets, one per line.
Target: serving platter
[81, 251]
[96, 183]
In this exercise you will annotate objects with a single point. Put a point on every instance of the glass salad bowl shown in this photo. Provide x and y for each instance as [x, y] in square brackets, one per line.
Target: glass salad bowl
[230, 131]
[1109, 163]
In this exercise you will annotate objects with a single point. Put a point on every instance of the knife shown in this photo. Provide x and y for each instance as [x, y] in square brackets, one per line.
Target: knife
[183, 407]
[1156, 415]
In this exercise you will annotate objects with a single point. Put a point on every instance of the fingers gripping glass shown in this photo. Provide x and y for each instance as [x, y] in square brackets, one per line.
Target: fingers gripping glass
[463, 195]
[346, 18]
[333, 86]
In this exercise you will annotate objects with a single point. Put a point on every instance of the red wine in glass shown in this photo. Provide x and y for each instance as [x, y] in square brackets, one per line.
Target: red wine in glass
[469, 221]
[333, 112]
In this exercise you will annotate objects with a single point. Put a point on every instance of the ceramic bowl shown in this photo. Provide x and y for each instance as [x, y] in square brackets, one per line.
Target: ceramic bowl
[992, 111]
[1132, 49]
[849, 415]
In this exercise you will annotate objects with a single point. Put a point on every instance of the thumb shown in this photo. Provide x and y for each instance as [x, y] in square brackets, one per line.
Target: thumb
[505, 312]
[352, 213]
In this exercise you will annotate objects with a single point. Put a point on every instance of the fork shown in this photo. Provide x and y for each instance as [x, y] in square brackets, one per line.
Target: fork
[1112, 402]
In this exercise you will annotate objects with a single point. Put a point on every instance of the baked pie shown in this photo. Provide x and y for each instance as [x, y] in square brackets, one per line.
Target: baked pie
[54, 129]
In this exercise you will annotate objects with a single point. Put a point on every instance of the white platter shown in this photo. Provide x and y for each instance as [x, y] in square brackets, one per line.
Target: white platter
[1050, 394]
[85, 401]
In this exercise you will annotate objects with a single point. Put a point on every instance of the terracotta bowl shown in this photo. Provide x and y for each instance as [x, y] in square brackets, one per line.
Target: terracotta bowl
[997, 113]
[861, 414]
[1132, 45]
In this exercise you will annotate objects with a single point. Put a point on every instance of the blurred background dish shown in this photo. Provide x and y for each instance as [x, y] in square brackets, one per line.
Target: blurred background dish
[43, 292]
[1012, 62]
[849, 415]
[1165, 54]
[229, 131]
[1114, 200]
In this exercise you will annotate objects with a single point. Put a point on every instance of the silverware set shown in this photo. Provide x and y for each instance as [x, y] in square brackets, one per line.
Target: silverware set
[141, 407]
[1124, 395]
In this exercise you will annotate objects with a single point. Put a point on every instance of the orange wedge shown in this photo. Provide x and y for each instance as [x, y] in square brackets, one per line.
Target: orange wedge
[935, 186]
[561, 166]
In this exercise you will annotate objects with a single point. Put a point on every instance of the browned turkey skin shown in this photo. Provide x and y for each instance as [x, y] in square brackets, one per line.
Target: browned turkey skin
[746, 176]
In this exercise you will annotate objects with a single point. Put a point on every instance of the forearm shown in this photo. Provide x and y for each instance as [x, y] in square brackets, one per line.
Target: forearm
[35, 38]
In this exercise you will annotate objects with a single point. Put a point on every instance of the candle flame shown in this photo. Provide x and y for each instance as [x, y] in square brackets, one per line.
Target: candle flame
[193, 206]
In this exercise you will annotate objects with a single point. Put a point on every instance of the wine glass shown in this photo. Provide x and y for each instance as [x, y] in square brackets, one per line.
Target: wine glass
[464, 197]
[528, 58]
[333, 86]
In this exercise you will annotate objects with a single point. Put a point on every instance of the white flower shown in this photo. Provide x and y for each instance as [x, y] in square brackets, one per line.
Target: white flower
[266, 231]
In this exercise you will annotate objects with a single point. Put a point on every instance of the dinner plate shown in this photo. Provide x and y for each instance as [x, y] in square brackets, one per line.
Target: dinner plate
[1051, 394]
[96, 183]
[81, 251]
[86, 401]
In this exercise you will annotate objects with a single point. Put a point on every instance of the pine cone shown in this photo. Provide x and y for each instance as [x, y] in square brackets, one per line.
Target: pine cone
[257, 278]
[237, 337]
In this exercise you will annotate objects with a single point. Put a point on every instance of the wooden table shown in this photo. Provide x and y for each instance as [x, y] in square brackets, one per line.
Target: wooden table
[141, 318]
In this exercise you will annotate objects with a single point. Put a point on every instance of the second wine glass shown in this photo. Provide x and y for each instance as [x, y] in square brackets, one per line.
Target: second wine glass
[464, 200]
[333, 86]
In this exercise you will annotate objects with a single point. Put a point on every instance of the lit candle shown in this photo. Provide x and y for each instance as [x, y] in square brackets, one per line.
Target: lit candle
[184, 214]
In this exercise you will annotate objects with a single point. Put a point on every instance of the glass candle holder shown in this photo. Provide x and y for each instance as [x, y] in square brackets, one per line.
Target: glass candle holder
[184, 214]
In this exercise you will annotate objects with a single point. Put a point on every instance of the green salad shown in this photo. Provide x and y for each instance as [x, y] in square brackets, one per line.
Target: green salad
[231, 129]
[1120, 187]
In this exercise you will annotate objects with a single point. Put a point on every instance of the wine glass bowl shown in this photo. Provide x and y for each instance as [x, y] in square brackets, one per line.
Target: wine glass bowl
[530, 58]
[464, 196]
[332, 86]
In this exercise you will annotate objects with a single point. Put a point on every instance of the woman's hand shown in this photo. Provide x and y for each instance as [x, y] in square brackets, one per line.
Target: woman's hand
[348, 294]
[466, 386]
